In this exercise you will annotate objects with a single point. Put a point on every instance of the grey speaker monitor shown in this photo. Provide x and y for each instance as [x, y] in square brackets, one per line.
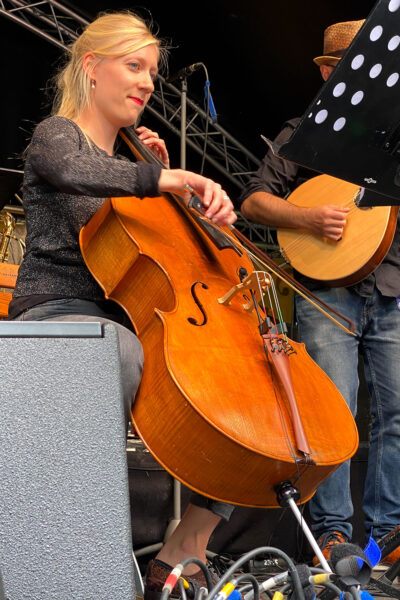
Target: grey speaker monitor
[65, 528]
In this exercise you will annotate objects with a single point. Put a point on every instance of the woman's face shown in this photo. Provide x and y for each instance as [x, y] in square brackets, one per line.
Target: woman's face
[123, 85]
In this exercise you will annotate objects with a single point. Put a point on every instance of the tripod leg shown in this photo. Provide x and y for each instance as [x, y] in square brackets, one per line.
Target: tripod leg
[173, 524]
[138, 578]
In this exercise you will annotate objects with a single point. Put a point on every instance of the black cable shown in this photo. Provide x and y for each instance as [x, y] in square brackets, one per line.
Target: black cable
[331, 586]
[285, 588]
[246, 557]
[181, 588]
[202, 566]
[200, 593]
[220, 563]
[203, 156]
[253, 582]
[355, 592]
[392, 572]
[166, 593]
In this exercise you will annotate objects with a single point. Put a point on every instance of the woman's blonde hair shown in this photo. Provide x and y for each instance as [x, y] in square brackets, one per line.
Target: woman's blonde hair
[113, 34]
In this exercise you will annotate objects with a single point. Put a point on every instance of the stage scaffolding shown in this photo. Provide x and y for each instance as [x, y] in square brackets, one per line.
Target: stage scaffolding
[61, 25]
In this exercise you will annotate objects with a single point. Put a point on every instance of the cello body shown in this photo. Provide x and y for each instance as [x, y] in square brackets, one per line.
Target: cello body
[210, 406]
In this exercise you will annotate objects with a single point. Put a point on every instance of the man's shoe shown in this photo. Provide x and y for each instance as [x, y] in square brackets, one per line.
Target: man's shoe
[158, 571]
[327, 541]
[394, 556]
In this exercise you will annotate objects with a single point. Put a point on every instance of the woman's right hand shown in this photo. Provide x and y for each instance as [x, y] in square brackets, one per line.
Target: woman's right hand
[216, 202]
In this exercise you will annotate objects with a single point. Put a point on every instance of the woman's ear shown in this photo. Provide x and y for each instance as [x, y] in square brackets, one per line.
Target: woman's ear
[88, 63]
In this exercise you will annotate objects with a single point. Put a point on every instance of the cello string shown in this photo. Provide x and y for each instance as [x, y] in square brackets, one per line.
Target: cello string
[274, 387]
[278, 308]
[274, 305]
[131, 138]
[262, 297]
[141, 152]
[270, 269]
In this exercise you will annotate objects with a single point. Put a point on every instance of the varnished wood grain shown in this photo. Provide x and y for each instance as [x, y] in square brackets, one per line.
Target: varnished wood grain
[209, 407]
[367, 235]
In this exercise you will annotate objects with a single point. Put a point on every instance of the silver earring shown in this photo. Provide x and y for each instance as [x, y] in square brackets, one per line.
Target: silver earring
[92, 83]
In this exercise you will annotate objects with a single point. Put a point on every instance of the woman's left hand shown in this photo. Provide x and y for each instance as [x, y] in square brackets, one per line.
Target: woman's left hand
[156, 145]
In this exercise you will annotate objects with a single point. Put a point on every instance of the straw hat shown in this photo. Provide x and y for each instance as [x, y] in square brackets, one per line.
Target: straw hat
[337, 38]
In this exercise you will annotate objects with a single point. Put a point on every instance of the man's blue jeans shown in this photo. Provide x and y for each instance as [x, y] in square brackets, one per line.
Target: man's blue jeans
[377, 323]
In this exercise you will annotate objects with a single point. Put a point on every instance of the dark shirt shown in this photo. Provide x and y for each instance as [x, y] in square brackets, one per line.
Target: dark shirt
[66, 180]
[280, 177]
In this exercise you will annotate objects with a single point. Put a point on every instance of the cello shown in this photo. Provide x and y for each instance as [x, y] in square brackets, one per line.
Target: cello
[227, 403]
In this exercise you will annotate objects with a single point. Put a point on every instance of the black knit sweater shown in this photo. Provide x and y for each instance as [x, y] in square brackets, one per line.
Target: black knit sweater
[66, 181]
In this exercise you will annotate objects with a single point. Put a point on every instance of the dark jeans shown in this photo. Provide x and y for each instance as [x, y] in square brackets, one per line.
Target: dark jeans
[377, 324]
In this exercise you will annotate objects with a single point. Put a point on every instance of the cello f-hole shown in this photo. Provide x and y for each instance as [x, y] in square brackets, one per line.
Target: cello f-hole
[192, 320]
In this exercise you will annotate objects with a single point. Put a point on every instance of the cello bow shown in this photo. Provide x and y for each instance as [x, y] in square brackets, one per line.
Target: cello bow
[218, 233]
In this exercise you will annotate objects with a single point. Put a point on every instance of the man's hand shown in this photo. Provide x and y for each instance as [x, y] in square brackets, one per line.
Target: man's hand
[328, 220]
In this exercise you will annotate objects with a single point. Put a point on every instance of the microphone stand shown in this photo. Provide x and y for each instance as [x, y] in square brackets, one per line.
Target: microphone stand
[177, 513]
[177, 505]
[183, 120]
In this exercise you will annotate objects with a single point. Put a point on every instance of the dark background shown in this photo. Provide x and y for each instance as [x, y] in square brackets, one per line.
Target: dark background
[258, 54]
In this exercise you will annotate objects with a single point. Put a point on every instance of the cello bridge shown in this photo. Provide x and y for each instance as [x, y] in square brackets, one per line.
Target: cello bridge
[257, 281]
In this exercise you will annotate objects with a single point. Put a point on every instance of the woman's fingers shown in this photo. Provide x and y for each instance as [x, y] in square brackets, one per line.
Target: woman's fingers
[152, 140]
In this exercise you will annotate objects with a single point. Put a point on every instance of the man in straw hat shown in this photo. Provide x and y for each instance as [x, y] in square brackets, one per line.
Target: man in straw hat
[371, 305]
[337, 38]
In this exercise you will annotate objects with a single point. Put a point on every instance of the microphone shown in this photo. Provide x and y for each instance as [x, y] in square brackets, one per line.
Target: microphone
[184, 72]
[351, 564]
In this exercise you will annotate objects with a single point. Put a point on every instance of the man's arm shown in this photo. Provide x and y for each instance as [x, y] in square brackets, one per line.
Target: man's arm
[267, 209]
[262, 201]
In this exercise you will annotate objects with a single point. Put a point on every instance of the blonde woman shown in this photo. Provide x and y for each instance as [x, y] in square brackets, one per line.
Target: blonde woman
[71, 167]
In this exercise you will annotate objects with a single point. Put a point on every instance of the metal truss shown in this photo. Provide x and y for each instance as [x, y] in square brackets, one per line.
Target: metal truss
[221, 149]
[48, 19]
[258, 234]
[61, 26]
